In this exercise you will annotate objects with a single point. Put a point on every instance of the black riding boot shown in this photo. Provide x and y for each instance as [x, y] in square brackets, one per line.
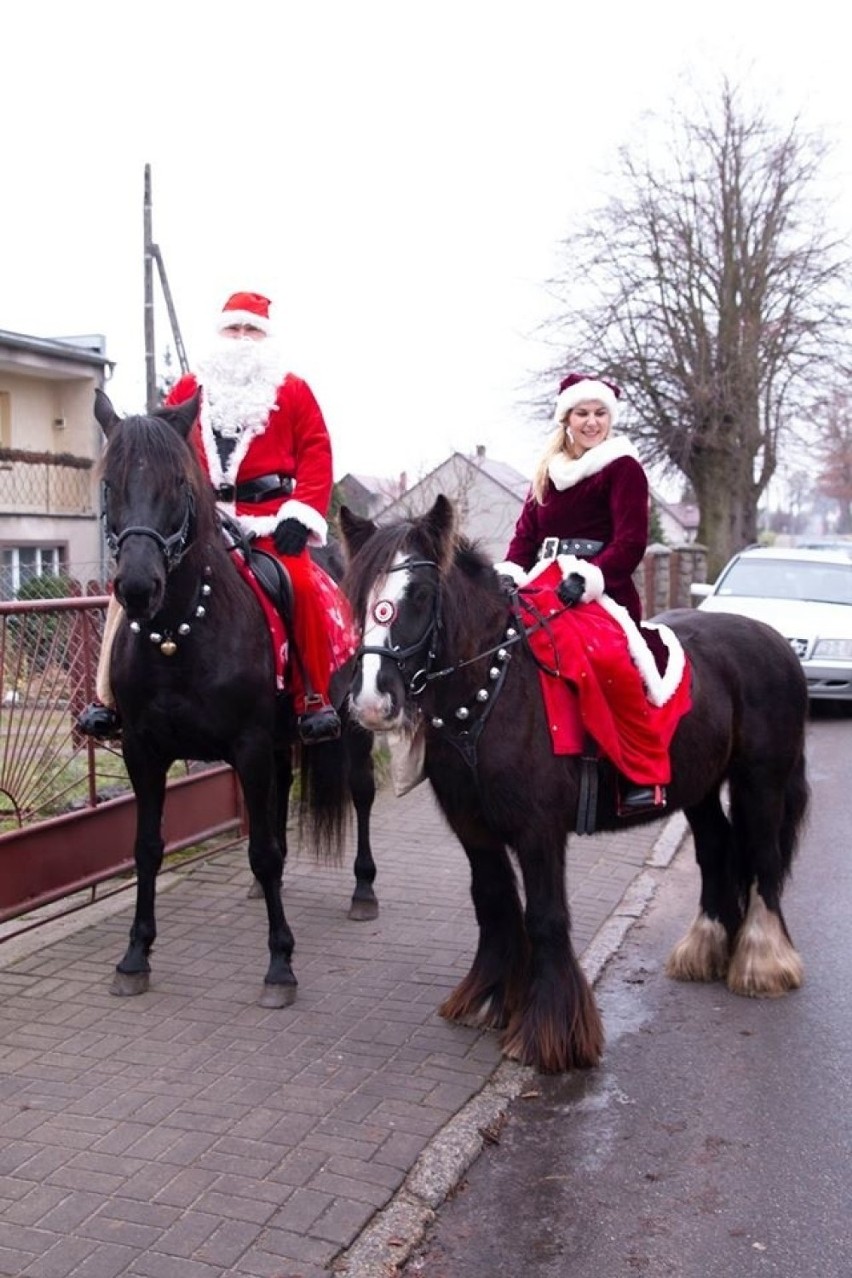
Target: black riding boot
[319, 722]
[99, 721]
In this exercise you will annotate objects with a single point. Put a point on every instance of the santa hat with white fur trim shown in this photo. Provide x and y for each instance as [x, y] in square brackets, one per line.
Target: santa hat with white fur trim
[245, 308]
[577, 387]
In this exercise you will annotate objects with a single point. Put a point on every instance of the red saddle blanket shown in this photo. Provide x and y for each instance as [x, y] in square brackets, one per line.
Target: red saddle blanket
[592, 684]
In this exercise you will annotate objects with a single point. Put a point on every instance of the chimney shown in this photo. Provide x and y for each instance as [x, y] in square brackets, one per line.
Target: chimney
[480, 452]
[403, 482]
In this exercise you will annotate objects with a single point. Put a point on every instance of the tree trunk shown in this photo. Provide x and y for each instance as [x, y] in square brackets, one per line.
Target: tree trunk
[725, 492]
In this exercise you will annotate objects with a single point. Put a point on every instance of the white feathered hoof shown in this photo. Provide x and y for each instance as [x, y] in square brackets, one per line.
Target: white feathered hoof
[765, 963]
[701, 955]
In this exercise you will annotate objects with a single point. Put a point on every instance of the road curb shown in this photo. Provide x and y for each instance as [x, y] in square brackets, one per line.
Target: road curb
[395, 1231]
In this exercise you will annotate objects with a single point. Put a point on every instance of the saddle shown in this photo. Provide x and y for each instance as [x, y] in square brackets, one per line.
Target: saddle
[274, 578]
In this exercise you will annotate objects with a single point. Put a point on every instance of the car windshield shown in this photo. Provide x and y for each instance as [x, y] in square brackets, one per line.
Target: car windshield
[788, 579]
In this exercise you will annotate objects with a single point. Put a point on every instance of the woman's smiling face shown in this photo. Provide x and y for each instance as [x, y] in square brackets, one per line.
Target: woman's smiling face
[589, 423]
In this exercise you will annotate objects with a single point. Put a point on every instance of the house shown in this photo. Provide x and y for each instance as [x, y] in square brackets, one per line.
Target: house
[49, 443]
[488, 496]
[366, 495]
[678, 520]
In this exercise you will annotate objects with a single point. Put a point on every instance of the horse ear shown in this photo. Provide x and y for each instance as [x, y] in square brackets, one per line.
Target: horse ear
[440, 525]
[354, 530]
[183, 416]
[105, 415]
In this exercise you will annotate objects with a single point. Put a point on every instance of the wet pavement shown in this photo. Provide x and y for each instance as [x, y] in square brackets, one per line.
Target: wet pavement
[190, 1133]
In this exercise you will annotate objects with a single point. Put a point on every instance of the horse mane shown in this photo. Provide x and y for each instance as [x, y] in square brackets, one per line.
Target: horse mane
[171, 462]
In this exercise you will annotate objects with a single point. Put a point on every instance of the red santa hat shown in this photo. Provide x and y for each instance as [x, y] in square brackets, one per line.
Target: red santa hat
[578, 387]
[245, 308]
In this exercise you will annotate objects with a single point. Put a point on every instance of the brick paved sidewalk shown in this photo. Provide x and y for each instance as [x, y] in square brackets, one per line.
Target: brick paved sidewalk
[190, 1133]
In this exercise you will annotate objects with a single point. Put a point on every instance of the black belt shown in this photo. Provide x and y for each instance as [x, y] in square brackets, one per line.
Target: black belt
[263, 488]
[582, 547]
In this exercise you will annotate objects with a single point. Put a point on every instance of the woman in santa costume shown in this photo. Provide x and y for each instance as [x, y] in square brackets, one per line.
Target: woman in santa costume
[262, 441]
[588, 510]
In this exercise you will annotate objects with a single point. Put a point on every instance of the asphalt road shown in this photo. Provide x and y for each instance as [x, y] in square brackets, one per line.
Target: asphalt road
[714, 1141]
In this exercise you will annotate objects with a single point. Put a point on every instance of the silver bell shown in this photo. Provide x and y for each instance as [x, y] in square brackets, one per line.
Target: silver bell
[482, 695]
[462, 713]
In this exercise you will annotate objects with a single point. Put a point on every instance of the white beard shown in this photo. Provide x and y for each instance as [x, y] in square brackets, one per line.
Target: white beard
[239, 380]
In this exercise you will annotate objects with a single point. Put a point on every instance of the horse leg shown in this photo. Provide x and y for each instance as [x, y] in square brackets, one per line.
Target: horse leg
[257, 778]
[132, 974]
[493, 986]
[283, 785]
[362, 786]
[766, 815]
[557, 1025]
[703, 954]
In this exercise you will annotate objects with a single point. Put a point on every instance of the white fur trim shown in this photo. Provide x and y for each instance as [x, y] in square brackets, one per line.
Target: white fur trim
[508, 569]
[591, 574]
[590, 388]
[660, 689]
[228, 318]
[306, 515]
[265, 525]
[566, 471]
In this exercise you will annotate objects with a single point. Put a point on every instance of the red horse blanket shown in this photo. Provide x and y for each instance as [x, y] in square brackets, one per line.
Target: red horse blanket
[604, 680]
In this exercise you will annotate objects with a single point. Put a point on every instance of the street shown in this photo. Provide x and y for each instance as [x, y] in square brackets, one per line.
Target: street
[714, 1141]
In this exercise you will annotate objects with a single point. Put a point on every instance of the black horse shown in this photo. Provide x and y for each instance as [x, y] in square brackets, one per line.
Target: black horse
[193, 675]
[442, 649]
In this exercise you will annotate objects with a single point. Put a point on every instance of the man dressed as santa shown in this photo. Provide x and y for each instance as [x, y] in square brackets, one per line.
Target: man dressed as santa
[263, 442]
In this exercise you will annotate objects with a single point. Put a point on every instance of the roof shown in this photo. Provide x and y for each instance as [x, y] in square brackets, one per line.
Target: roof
[89, 349]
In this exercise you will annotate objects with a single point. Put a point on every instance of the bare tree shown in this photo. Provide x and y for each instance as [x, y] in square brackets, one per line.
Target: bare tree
[834, 451]
[716, 296]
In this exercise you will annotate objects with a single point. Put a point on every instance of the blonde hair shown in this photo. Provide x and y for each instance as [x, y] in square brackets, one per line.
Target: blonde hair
[560, 441]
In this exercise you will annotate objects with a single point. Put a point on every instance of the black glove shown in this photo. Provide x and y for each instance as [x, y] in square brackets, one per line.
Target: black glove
[290, 537]
[570, 591]
[507, 584]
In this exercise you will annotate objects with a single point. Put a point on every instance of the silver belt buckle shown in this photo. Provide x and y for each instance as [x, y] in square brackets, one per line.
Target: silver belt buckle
[549, 548]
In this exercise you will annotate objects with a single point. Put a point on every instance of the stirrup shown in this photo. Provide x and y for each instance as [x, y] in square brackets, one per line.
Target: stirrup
[634, 799]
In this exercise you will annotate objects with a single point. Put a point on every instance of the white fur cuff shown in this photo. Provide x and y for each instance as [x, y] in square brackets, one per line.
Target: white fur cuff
[508, 569]
[591, 574]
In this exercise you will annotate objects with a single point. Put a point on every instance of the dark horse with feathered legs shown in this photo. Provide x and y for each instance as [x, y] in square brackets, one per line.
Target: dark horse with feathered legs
[441, 649]
[193, 675]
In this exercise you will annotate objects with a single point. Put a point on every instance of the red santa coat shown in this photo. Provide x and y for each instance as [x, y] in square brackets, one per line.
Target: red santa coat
[293, 440]
[601, 496]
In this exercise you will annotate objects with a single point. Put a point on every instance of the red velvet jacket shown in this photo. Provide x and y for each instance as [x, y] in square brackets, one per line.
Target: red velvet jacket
[602, 496]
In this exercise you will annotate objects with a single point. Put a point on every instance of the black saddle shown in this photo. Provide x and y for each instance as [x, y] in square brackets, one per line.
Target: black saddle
[275, 581]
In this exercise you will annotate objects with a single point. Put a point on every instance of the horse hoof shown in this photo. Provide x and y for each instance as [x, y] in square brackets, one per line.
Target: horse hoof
[129, 984]
[363, 911]
[277, 995]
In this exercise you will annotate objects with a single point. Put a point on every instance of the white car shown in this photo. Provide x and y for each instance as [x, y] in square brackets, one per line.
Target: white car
[807, 596]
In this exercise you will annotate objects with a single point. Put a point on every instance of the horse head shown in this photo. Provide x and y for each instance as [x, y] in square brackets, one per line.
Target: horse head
[421, 595]
[152, 488]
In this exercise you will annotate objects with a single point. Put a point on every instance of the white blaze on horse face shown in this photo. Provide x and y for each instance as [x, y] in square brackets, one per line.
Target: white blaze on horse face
[373, 708]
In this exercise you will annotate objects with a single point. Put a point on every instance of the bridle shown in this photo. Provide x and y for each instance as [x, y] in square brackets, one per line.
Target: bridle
[421, 678]
[417, 682]
[173, 548]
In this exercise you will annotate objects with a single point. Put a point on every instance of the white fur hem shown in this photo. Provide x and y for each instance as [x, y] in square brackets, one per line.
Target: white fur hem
[660, 688]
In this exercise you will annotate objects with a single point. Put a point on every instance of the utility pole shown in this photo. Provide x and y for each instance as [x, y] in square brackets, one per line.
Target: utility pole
[153, 255]
[150, 353]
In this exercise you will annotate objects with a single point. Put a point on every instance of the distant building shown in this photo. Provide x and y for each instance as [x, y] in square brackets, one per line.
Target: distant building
[488, 496]
[49, 443]
[678, 520]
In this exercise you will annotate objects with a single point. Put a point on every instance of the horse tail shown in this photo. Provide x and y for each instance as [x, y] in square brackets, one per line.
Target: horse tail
[796, 801]
[324, 801]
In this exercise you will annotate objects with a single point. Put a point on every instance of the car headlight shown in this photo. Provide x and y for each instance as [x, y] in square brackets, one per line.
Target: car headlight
[833, 649]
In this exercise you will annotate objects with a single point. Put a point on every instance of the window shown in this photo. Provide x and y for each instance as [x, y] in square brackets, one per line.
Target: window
[19, 564]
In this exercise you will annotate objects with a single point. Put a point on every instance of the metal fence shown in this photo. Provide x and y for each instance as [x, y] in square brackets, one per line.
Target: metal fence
[67, 813]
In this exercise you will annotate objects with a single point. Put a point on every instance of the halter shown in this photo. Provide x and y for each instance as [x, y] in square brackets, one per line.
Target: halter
[173, 548]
